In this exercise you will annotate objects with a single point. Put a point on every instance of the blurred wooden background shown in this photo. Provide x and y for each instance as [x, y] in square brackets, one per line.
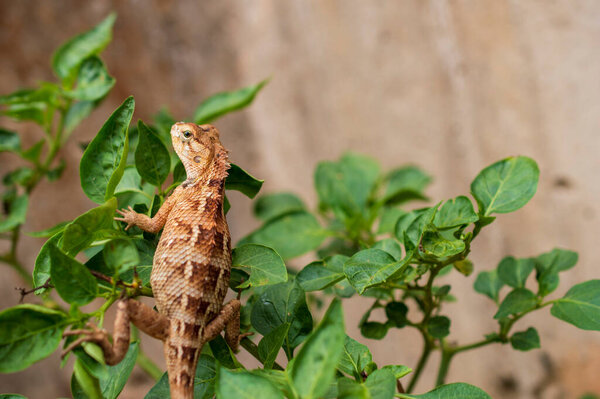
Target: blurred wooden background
[449, 85]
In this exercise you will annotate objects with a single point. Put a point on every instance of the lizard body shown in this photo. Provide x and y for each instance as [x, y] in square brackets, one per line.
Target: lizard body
[191, 266]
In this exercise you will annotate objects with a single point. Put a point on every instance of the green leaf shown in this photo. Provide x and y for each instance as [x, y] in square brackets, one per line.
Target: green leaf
[80, 232]
[525, 340]
[93, 81]
[464, 267]
[152, 159]
[396, 313]
[405, 184]
[410, 227]
[455, 212]
[355, 357]
[179, 173]
[350, 389]
[72, 280]
[488, 284]
[240, 180]
[389, 218]
[35, 105]
[11, 396]
[16, 214]
[371, 267]
[314, 366]
[345, 186]
[269, 346]
[70, 55]
[29, 333]
[270, 206]
[264, 265]
[435, 246]
[41, 269]
[439, 326]
[381, 384]
[112, 385]
[374, 329]
[580, 306]
[290, 235]
[244, 385]
[225, 102]
[103, 162]
[76, 113]
[33, 153]
[9, 141]
[316, 276]
[279, 304]
[390, 246]
[549, 264]
[86, 382]
[458, 390]
[514, 272]
[505, 186]
[120, 255]
[517, 301]
[20, 176]
[204, 381]
[398, 370]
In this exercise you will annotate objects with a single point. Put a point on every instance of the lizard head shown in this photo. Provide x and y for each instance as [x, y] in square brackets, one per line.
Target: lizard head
[197, 146]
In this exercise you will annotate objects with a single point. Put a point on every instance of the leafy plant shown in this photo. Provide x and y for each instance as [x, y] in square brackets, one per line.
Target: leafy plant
[366, 243]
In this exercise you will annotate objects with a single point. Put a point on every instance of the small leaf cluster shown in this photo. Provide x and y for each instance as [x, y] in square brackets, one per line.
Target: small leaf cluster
[366, 236]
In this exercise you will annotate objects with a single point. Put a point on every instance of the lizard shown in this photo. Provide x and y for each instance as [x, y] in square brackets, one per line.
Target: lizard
[191, 266]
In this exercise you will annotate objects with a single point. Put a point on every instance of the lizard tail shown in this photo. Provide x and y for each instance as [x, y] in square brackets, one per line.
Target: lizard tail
[182, 349]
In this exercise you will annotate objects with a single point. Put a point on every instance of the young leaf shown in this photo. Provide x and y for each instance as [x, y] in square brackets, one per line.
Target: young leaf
[16, 215]
[80, 232]
[76, 113]
[389, 218]
[525, 340]
[279, 304]
[72, 280]
[435, 246]
[464, 267]
[265, 265]
[204, 381]
[350, 389]
[103, 162]
[398, 370]
[456, 390]
[315, 276]
[86, 382]
[240, 180]
[244, 385]
[112, 385]
[517, 301]
[9, 141]
[34, 105]
[41, 269]
[290, 235]
[381, 384]
[93, 81]
[514, 272]
[152, 159]
[270, 206]
[374, 329]
[455, 212]
[488, 284]
[314, 366]
[405, 184]
[557, 260]
[371, 267]
[355, 357]
[269, 346]
[225, 102]
[29, 333]
[439, 326]
[70, 55]
[505, 186]
[396, 313]
[580, 306]
[120, 255]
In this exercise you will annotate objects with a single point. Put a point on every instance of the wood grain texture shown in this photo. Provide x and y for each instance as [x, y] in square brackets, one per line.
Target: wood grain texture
[449, 85]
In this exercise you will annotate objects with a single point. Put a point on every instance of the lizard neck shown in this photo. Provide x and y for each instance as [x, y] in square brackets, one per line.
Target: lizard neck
[215, 170]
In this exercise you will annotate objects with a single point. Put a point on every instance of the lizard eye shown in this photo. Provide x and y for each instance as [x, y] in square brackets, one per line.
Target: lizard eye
[187, 134]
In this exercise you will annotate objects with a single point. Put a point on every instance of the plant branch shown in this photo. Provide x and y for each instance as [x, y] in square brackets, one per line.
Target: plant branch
[427, 348]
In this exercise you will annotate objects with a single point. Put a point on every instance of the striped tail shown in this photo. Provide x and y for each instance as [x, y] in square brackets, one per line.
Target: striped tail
[182, 350]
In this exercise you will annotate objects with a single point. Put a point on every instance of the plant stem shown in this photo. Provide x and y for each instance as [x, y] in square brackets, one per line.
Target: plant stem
[253, 350]
[148, 366]
[427, 347]
[447, 355]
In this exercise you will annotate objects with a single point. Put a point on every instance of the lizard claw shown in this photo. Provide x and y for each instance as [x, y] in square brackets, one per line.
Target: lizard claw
[128, 216]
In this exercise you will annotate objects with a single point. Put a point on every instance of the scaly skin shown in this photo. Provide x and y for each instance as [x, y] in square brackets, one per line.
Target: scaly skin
[191, 268]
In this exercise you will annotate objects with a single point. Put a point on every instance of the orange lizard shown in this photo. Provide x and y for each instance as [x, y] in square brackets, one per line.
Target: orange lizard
[191, 267]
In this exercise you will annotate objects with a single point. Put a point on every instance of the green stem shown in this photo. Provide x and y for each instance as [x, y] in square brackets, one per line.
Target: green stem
[148, 366]
[427, 347]
[444, 364]
[253, 350]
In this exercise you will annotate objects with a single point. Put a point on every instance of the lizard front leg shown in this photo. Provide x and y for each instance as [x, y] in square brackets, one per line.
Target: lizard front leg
[228, 320]
[128, 310]
[146, 223]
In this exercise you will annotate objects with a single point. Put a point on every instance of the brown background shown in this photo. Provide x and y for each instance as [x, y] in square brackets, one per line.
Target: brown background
[449, 85]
